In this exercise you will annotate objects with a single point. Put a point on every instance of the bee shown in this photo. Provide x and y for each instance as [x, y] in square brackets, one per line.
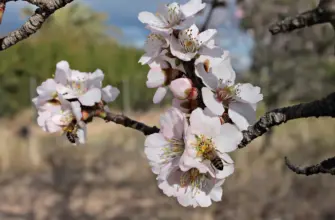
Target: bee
[211, 155]
[71, 132]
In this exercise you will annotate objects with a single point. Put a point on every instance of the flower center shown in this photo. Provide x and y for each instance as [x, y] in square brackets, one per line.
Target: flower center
[194, 179]
[175, 149]
[203, 145]
[155, 41]
[67, 117]
[174, 15]
[225, 94]
[189, 43]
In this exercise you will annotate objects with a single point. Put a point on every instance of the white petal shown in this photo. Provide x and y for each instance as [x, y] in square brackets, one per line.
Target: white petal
[156, 77]
[206, 50]
[76, 108]
[249, 93]
[51, 127]
[228, 139]
[185, 23]
[109, 93]
[208, 79]
[95, 79]
[210, 101]
[47, 87]
[151, 19]
[145, 59]
[159, 95]
[41, 119]
[224, 70]
[216, 194]
[91, 97]
[207, 35]
[228, 170]
[242, 114]
[192, 7]
[177, 104]
[155, 140]
[203, 124]
[172, 124]
[203, 199]
[186, 200]
[62, 72]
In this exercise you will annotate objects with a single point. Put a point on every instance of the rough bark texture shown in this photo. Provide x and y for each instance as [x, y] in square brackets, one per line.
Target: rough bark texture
[34, 23]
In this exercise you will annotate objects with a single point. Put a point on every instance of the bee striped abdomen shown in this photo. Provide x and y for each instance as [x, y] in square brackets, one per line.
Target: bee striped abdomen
[71, 137]
[217, 163]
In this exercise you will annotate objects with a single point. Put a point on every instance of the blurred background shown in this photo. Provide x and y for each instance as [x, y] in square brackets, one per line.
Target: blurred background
[45, 178]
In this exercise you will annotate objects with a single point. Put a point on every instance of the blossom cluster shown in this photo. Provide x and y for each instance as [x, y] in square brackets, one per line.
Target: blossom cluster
[209, 109]
[65, 102]
[189, 154]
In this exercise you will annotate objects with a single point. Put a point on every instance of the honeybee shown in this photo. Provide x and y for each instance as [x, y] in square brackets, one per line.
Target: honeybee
[211, 155]
[71, 132]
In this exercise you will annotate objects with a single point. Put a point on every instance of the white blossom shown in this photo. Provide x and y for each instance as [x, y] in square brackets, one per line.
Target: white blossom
[222, 92]
[172, 16]
[190, 42]
[206, 137]
[191, 188]
[167, 146]
[153, 47]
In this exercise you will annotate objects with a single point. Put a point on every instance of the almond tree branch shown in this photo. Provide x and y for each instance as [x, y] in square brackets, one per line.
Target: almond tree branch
[319, 108]
[327, 166]
[323, 13]
[34, 23]
[130, 123]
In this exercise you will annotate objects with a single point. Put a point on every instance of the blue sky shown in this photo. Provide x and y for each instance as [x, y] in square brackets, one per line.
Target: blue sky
[123, 14]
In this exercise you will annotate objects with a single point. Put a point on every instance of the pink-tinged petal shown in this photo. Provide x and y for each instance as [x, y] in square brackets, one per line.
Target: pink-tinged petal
[156, 77]
[95, 79]
[216, 194]
[172, 124]
[228, 139]
[156, 140]
[210, 101]
[76, 109]
[91, 97]
[242, 114]
[151, 19]
[41, 119]
[146, 58]
[224, 70]
[159, 95]
[203, 200]
[208, 112]
[178, 51]
[249, 93]
[109, 93]
[192, 7]
[63, 72]
[181, 88]
[51, 127]
[203, 124]
[207, 35]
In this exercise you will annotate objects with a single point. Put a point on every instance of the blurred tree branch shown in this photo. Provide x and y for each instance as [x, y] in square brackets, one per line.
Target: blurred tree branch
[34, 23]
[327, 167]
[323, 13]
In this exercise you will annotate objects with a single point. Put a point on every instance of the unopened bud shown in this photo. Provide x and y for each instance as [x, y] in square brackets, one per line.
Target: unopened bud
[181, 88]
[192, 93]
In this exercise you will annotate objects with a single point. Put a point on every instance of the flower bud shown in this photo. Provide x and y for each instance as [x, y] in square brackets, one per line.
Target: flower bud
[182, 89]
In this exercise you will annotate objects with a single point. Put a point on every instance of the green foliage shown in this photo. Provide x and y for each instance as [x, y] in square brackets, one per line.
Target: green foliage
[64, 38]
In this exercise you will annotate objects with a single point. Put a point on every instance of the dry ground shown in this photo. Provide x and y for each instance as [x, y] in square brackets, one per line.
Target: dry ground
[44, 178]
